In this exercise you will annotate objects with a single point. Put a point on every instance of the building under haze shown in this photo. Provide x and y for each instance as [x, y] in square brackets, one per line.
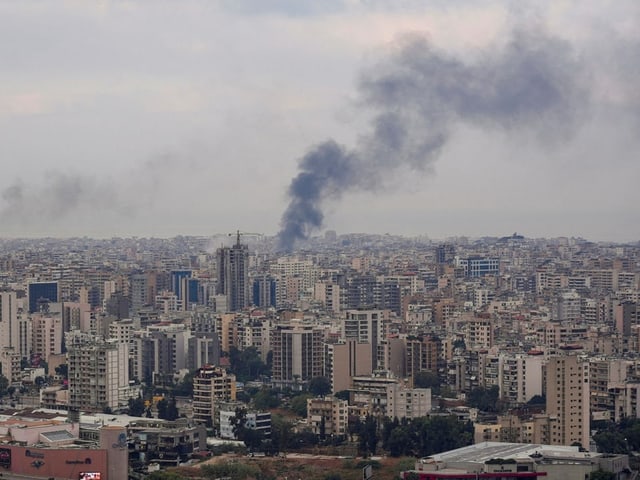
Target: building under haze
[98, 372]
[297, 354]
[567, 388]
[233, 275]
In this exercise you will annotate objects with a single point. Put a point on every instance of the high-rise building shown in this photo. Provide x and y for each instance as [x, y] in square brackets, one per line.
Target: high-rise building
[423, 355]
[520, 377]
[177, 285]
[264, 291]
[143, 290]
[346, 360]
[567, 388]
[204, 349]
[9, 328]
[211, 385]
[624, 315]
[366, 326]
[297, 354]
[233, 275]
[47, 334]
[41, 293]
[159, 352]
[98, 372]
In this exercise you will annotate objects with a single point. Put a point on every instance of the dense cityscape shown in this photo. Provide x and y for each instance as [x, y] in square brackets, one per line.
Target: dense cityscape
[180, 293]
[130, 357]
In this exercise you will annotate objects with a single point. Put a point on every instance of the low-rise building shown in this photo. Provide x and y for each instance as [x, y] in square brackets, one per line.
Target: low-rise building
[259, 421]
[514, 461]
[327, 416]
[210, 386]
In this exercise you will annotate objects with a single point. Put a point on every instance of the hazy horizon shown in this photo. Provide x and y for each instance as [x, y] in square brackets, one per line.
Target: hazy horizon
[458, 118]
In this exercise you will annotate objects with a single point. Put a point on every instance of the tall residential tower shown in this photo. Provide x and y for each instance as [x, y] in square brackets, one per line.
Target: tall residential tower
[233, 275]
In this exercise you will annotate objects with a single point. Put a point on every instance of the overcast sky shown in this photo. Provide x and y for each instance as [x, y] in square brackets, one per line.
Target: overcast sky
[161, 118]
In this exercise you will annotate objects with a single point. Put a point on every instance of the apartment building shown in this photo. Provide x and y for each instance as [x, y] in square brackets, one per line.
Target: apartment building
[567, 389]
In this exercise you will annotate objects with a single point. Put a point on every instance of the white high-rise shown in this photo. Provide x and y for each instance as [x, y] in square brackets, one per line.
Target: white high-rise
[98, 372]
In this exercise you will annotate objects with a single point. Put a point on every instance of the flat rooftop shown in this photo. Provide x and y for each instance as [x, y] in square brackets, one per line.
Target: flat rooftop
[482, 452]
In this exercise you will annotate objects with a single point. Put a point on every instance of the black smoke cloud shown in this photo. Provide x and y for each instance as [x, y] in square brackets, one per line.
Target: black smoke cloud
[533, 85]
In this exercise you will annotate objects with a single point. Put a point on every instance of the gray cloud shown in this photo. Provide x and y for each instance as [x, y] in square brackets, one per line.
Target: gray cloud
[294, 8]
[534, 85]
[60, 195]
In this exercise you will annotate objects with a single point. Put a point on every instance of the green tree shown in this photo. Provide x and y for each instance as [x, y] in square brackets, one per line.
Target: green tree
[232, 470]
[136, 406]
[305, 438]
[281, 432]
[319, 386]
[252, 438]
[238, 422]
[246, 364]
[162, 406]
[165, 475]
[485, 399]
[611, 440]
[185, 387]
[62, 370]
[427, 379]
[399, 441]
[265, 399]
[425, 436]
[299, 404]
[368, 436]
[172, 410]
[601, 475]
[342, 395]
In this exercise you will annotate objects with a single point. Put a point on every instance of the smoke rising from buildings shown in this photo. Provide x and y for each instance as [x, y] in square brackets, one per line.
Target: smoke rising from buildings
[532, 86]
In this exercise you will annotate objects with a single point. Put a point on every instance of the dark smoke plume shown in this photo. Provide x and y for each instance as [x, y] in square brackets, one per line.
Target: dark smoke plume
[534, 84]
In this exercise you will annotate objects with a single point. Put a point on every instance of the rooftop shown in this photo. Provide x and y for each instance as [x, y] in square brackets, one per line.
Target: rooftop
[481, 452]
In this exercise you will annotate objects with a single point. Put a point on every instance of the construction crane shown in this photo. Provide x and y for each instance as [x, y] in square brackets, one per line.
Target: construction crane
[244, 234]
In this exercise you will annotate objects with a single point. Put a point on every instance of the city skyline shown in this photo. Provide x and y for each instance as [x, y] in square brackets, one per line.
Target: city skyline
[135, 119]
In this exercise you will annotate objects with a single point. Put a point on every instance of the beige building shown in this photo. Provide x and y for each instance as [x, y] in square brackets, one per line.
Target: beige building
[210, 386]
[328, 415]
[328, 293]
[366, 326]
[408, 402]
[511, 428]
[372, 391]
[479, 333]
[227, 328]
[10, 365]
[520, 377]
[297, 354]
[98, 372]
[567, 389]
[423, 354]
[47, 334]
[343, 361]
